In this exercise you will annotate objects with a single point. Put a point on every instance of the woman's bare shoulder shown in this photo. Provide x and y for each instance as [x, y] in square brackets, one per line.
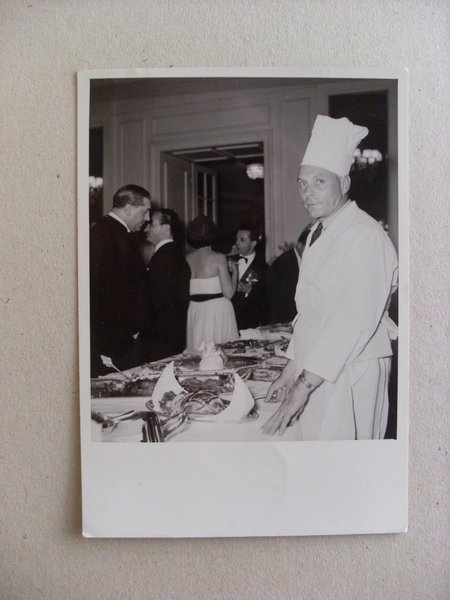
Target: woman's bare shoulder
[218, 257]
[191, 257]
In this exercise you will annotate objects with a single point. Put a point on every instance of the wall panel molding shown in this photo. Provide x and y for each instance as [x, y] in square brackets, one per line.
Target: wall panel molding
[132, 151]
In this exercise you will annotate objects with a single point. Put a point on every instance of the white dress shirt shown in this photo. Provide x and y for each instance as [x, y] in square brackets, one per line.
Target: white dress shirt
[244, 265]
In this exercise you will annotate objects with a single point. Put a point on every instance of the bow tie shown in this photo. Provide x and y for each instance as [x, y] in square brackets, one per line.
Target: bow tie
[244, 258]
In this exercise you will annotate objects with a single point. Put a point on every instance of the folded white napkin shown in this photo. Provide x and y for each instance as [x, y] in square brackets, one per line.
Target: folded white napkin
[250, 334]
[241, 403]
[166, 383]
[212, 359]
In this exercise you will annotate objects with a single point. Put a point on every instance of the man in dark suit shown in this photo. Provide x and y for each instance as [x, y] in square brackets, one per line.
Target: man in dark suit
[117, 281]
[250, 301]
[282, 282]
[168, 276]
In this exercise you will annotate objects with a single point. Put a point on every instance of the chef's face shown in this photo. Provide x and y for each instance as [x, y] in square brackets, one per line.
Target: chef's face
[138, 214]
[244, 245]
[321, 191]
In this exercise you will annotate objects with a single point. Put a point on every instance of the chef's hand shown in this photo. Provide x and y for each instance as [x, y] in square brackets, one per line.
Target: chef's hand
[290, 408]
[281, 387]
[293, 393]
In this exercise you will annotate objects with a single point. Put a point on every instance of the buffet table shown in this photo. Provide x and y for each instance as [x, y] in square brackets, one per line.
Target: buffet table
[123, 409]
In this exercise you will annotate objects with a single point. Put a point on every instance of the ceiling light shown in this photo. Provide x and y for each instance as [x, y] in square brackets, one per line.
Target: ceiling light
[255, 171]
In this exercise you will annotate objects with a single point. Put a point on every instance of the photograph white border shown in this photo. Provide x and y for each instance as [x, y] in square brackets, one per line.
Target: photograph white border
[243, 489]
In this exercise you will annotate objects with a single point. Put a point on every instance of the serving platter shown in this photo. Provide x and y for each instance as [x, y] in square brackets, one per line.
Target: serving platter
[212, 403]
[265, 374]
[192, 364]
[114, 387]
[252, 415]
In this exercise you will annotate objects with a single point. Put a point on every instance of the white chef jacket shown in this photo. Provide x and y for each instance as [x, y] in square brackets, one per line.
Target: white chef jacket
[342, 331]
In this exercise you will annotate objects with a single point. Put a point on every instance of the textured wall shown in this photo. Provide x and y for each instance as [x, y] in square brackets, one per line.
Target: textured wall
[42, 45]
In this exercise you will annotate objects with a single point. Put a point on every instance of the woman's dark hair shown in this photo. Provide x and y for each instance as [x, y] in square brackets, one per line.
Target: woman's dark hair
[201, 232]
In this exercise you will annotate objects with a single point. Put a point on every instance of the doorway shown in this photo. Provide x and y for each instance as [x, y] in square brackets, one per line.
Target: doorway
[95, 174]
[214, 181]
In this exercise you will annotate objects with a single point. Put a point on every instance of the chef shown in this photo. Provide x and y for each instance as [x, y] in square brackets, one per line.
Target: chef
[335, 384]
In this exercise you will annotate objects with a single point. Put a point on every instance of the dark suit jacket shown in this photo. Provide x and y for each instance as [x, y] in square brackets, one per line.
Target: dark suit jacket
[282, 283]
[168, 277]
[118, 293]
[252, 311]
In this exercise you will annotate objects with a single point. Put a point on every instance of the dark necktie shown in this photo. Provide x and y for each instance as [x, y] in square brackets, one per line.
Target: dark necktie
[316, 233]
[243, 258]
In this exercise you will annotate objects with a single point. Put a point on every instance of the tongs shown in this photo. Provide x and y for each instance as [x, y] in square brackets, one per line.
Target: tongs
[109, 420]
[155, 430]
[152, 429]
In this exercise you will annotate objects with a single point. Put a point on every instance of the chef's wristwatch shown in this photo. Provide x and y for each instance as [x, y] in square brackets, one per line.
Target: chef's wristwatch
[308, 385]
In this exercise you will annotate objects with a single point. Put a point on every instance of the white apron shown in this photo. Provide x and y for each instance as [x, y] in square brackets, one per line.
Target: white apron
[342, 331]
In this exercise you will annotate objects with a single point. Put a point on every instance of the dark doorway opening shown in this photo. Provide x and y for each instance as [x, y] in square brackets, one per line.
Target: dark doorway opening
[241, 201]
[227, 183]
[95, 170]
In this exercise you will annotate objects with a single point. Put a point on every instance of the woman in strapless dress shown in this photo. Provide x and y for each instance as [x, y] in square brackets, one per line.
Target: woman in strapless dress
[211, 315]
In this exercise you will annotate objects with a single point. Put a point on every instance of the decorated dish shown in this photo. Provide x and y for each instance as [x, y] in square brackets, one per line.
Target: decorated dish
[201, 405]
[107, 387]
[277, 327]
[199, 402]
[217, 384]
[252, 415]
[139, 385]
[245, 347]
[192, 363]
[265, 374]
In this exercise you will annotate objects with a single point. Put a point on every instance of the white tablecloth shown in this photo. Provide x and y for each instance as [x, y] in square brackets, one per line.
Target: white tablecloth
[192, 431]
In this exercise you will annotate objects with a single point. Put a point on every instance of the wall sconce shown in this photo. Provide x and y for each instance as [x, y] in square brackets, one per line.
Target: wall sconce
[95, 185]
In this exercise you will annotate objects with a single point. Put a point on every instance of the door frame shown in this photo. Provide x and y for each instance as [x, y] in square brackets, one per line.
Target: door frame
[218, 137]
[195, 169]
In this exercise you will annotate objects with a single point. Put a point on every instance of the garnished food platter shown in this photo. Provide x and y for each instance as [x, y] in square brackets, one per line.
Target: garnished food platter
[253, 359]
[200, 405]
[231, 363]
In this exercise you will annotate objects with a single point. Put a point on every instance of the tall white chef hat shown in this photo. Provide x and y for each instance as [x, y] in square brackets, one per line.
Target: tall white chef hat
[332, 144]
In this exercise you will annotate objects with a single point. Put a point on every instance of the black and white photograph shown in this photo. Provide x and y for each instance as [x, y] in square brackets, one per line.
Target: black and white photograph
[242, 269]
[224, 300]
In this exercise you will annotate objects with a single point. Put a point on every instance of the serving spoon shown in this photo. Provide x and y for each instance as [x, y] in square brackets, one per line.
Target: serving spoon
[106, 360]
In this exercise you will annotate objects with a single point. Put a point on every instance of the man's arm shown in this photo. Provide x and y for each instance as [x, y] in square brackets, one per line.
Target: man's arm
[164, 283]
[293, 399]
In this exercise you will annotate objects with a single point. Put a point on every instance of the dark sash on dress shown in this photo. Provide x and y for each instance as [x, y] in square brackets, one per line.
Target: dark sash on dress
[204, 297]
